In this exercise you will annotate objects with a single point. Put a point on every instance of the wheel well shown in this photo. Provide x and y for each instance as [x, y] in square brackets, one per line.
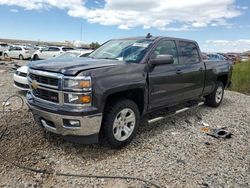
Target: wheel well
[35, 56]
[136, 95]
[223, 79]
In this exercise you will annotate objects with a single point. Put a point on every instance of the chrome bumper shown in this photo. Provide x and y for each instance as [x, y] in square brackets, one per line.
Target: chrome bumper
[52, 122]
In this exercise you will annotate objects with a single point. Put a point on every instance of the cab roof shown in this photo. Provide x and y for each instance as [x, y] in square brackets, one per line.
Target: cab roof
[157, 38]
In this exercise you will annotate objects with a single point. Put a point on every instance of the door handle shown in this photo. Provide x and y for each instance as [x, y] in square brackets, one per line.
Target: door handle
[178, 72]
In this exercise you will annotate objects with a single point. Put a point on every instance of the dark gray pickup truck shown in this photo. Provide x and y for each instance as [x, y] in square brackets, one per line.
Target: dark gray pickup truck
[104, 96]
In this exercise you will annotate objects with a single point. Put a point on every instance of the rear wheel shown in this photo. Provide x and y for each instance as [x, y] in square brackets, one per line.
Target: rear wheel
[21, 57]
[36, 57]
[120, 123]
[216, 97]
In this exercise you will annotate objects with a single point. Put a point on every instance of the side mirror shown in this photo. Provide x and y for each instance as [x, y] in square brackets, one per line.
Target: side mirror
[162, 59]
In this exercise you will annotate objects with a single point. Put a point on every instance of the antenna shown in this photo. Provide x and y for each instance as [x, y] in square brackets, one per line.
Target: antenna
[148, 36]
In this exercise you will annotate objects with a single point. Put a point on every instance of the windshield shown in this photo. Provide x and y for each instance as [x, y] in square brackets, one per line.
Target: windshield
[68, 55]
[128, 50]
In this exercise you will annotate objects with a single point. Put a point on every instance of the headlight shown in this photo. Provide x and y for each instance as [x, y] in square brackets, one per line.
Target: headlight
[17, 72]
[77, 83]
[77, 99]
[77, 90]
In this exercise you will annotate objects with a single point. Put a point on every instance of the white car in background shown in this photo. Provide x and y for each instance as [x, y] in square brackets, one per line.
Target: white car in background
[74, 53]
[20, 76]
[49, 52]
[244, 57]
[19, 52]
[3, 47]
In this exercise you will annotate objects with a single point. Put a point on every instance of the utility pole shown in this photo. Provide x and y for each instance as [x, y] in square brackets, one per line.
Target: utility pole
[81, 33]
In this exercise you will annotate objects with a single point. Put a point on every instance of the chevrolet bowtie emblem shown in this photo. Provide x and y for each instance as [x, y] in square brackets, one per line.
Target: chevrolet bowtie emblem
[34, 84]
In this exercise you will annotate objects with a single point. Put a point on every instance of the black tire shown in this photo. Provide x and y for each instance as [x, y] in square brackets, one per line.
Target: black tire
[21, 57]
[36, 57]
[111, 114]
[213, 99]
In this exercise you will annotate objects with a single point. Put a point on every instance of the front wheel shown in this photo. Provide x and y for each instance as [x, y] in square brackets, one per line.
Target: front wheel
[21, 57]
[120, 123]
[216, 97]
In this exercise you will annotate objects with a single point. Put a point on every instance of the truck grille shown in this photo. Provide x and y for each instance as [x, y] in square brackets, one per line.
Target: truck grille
[46, 95]
[44, 79]
[45, 85]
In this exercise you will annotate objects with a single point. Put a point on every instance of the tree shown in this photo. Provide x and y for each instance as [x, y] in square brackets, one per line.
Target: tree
[94, 45]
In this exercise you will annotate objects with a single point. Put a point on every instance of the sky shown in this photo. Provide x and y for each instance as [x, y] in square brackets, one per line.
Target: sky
[217, 25]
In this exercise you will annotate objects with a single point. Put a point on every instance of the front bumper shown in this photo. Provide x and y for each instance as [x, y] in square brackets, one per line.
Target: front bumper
[54, 122]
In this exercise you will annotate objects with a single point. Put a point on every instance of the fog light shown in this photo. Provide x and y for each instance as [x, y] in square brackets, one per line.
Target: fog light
[71, 123]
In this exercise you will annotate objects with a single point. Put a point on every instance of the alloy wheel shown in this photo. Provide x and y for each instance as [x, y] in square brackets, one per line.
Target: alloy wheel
[124, 124]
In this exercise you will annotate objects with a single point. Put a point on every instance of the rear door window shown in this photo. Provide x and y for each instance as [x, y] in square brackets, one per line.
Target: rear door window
[189, 52]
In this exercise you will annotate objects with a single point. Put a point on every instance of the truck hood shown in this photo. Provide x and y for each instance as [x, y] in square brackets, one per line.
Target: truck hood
[72, 66]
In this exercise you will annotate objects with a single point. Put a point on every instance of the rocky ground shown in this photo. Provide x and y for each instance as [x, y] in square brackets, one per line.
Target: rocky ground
[170, 153]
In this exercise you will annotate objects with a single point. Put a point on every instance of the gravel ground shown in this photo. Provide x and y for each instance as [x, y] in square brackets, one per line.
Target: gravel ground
[171, 153]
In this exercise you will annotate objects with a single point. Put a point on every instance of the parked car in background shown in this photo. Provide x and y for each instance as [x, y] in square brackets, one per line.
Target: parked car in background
[19, 52]
[244, 57]
[3, 47]
[233, 57]
[39, 47]
[215, 57]
[20, 78]
[49, 52]
[83, 48]
[74, 53]
[204, 56]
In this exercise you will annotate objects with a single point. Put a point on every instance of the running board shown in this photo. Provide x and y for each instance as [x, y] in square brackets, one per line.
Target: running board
[176, 112]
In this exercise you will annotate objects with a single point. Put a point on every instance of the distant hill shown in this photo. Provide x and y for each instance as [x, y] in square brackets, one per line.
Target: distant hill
[43, 43]
[18, 41]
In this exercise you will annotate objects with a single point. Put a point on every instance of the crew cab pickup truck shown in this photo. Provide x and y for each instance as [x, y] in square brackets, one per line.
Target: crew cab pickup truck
[103, 97]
